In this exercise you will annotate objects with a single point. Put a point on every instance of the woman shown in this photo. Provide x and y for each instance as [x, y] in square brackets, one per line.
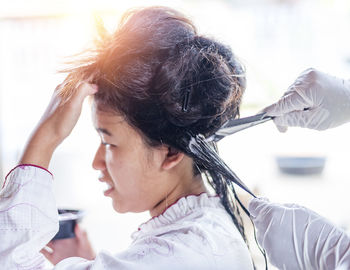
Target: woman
[158, 90]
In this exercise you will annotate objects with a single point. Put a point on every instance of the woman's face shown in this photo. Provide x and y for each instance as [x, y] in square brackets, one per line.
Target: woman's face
[132, 170]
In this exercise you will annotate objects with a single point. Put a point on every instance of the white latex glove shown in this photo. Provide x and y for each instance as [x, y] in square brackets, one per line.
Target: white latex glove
[295, 237]
[327, 99]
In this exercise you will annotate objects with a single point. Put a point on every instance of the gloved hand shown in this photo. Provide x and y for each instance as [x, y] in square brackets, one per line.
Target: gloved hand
[327, 99]
[295, 237]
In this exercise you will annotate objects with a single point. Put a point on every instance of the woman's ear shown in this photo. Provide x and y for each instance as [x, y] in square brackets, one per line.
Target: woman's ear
[172, 158]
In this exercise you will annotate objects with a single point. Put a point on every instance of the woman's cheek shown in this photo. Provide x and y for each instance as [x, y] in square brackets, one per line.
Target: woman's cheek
[110, 158]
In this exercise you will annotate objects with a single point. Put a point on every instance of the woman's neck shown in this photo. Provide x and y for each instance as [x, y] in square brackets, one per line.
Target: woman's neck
[193, 187]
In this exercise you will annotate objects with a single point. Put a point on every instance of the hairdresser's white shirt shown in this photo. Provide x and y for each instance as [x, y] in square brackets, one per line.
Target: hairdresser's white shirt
[194, 233]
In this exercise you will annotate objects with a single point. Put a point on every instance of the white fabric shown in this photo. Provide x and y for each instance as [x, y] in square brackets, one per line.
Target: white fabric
[28, 218]
[194, 233]
[295, 237]
[327, 99]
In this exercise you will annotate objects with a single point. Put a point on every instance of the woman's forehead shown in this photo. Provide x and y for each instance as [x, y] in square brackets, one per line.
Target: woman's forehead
[109, 124]
[105, 115]
[112, 124]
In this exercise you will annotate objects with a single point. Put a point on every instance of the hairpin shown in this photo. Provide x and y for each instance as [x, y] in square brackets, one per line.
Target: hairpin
[186, 100]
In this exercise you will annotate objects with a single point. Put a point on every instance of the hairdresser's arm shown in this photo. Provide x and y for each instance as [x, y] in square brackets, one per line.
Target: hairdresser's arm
[28, 217]
[295, 237]
[327, 99]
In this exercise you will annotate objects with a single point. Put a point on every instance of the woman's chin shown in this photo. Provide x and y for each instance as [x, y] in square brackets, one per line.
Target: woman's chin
[118, 208]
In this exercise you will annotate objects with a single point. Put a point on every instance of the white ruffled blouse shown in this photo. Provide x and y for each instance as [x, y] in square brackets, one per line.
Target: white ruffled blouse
[194, 233]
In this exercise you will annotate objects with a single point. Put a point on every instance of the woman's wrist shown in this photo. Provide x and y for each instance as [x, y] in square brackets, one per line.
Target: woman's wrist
[40, 148]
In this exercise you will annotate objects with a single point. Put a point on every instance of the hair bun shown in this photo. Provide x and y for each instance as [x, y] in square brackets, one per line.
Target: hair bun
[207, 82]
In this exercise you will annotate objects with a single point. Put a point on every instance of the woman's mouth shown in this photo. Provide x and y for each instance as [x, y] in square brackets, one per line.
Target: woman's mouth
[109, 188]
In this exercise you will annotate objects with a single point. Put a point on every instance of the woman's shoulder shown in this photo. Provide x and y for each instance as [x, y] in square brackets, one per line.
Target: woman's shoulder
[196, 230]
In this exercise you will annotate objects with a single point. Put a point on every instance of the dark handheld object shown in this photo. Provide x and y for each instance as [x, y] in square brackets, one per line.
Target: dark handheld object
[68, 218]
[234, 125]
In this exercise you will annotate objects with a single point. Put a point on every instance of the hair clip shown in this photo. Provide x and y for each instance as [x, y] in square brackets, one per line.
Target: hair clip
[186, 100]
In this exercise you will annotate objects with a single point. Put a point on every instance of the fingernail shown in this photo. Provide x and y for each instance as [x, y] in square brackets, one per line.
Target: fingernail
[282, 129]
[48, 249]
[95, 87]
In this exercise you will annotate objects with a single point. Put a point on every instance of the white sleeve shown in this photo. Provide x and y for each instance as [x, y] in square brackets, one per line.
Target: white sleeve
[29, 220]
[28, 217]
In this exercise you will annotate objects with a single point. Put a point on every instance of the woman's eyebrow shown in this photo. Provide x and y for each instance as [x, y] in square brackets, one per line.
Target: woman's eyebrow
[104, 131]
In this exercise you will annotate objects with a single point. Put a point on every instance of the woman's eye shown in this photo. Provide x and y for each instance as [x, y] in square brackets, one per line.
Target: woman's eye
[107, 144]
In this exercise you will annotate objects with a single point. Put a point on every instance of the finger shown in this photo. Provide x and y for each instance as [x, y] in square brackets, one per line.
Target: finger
[282, 129]
[47, 253]
[75, 92]
[77, 230]
[51, 244]
[288, 103]
[80, 233]
[292, 119]
[307, 119]
[59, 87]
[47, 249]
[89, 89]
[292, 205]
[85, 89]
[91, 78]
[80, 93]
[256, 205]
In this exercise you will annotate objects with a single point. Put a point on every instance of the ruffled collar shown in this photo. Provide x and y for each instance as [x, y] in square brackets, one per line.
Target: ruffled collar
[182, 208]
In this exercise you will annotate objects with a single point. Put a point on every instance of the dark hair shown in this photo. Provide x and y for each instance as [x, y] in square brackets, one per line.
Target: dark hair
[168, 83]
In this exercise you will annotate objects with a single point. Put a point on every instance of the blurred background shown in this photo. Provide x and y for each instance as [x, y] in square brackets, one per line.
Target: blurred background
[275, 39]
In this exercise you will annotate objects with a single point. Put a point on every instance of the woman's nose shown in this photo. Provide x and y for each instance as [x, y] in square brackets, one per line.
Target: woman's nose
[99, 162]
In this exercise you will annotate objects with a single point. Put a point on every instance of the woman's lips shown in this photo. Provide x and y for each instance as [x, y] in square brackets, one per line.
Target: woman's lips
[108, 191]
[109, 187]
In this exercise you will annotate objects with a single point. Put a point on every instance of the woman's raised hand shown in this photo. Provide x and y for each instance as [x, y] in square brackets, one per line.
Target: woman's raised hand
[56, 124]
